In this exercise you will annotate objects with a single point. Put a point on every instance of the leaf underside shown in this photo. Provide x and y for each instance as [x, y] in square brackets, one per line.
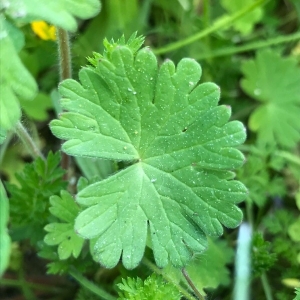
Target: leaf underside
[179, 186]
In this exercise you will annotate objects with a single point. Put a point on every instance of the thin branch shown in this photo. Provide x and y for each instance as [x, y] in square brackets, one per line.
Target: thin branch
[90, 285]
[191, 284]
[266, 286]
[250, 46]
[27, 140]
[65, 71]
[221, 24]
[63, 42]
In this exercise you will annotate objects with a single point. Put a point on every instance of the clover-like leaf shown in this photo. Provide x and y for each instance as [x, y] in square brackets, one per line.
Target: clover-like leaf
[61, 13]
[274, 81]
[63, 234]
[180, 146]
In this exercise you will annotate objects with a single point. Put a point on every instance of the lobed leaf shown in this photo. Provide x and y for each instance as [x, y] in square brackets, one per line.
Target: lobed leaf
[153, 287]
[63, 234]
[30, 199]
[277, 117]
[180, 146]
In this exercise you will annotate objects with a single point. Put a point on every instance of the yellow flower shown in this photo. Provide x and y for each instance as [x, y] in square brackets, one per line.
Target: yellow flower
[43, 30]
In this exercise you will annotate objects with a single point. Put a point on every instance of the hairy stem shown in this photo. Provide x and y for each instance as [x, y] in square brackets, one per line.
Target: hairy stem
[266, 286]
[222, 24]
[155, 269]
[191, 284]
[63, 41]
[90, 285]
[27, 140]
[65, 71]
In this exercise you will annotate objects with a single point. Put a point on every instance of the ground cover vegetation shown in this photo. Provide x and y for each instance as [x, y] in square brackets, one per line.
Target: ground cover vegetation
[150, 149]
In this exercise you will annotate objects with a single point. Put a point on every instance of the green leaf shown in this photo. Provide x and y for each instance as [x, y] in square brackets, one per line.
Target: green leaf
[134, 43]
[16, 35]
[277, 118]
[63, 234]
[30, 200]
[206, 270]
[180, 147]
[294, 231]
[61, 13]
[3, 135]
[256, 176]
[5, 241]
[15, 80]
[297, 291]
[37, 108]
[245, 24]
[262, 257]
[153, 287]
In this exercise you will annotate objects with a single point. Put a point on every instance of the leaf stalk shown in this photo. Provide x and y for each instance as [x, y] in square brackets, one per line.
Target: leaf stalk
[90, 285]
[191, 284]
[27, 140]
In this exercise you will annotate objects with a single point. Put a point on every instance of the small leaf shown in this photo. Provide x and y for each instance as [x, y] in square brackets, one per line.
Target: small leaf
[206, 270]
[30, 199]
[37, 108]
[63, 234]
[246, 23]
[277, 118]
[262, 257]
[180, 147]
[294, 231]
[61, 13]
[153, 287]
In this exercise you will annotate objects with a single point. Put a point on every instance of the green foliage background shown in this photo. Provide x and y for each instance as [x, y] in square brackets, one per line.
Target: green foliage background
[250, 49]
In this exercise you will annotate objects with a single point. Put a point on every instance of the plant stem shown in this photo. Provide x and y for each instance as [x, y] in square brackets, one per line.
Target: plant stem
[90, 285]
[27, 140]
[155, 269]
[191, 284]
[35, 286]
[27, 292]
[63, 41]
[266, 286]
[221, 24]
[65, 71]
[250, 46]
